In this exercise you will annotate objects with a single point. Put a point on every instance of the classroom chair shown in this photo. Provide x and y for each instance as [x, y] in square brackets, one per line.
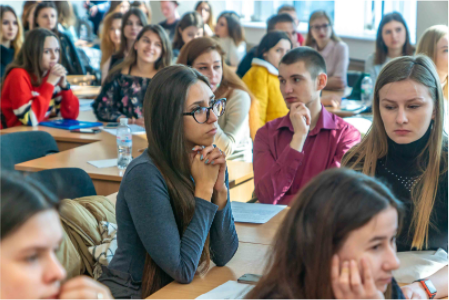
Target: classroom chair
[354, 79]
[68, 183]
[20, 147]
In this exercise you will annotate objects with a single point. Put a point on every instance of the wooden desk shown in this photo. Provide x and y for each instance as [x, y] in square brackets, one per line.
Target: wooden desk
[250, 258]
[336, 110]
[86, 92]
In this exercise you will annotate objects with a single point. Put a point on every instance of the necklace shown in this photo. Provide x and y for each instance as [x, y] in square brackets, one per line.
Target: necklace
[407, 182]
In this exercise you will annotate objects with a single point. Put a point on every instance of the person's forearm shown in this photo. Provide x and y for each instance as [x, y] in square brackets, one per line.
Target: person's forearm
[297, 142]
[335, 83]
[439, 280]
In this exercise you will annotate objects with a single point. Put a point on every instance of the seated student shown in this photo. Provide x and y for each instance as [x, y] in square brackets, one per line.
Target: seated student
[35, 85]
[132, 23]
[173, 209]
[122, 94]
[335, 52]
[46, 16]
[11, 36]
[393, 40]
[205, 10]
[169, 10]
[407, 148]
[190, 27]
[119, 7]
[282, 22]
[28, 15]
[31, 234]
[434, 44]
[67, 20]
[233, 130]
[289, 9]
[231, 37]
[110, 41]
[262, 79]
[337, 242]
[144, 7]
[290, 151]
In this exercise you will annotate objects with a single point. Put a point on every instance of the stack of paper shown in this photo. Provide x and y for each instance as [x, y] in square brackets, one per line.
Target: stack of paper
[86, 104]
[105, 163]
[228, 290]
[254, 212]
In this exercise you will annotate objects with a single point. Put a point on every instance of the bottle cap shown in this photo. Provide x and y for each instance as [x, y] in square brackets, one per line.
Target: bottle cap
[124, 121]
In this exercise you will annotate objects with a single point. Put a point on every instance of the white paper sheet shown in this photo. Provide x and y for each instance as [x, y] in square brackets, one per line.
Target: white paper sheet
[135, 129]
[86, 104]
[254, 212]
[228, 290]
[105, 163]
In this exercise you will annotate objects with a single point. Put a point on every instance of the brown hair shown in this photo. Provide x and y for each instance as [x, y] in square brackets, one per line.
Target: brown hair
[138, 4]
[211, 21]
[322, 215]
[230, 80]
[123, 44]
[107, 46]
[381, 49]
[235, 29]
[427, 45]
[432, 160]
[131, 60]
[43, 5]
[30, 56]
[165, 133]
[66, 17]
[115, 4]
[188, 19]
[285, 8]
[28, 7]
[310, 41]
[18, 40]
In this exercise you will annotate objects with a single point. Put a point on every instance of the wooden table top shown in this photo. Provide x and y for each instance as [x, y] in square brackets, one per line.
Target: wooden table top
[86, 92]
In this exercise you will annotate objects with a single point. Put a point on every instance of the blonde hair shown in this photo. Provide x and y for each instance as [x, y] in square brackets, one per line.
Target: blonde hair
[310, 41]
[107, 46]
[211, 20]
[427, 45]
[18, 40]
[432, 160]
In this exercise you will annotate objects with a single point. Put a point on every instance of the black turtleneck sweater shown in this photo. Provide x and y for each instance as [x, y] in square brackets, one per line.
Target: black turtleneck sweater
[399, 170]
[6, 57]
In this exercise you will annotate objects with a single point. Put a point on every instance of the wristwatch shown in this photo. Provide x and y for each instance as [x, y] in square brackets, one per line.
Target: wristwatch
[428, 287]
[67, 87]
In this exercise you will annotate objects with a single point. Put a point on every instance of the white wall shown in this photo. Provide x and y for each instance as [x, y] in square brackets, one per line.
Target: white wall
[428, 13]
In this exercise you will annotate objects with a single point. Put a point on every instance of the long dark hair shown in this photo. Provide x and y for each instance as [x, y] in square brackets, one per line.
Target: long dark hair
[163, 107]
[131, 60]
[188, 19]
[235, 29]
[29, 57]
[143, 19]
[22, 198]
[323, 214]
[381, 49]
[42, 5]
[269, 41]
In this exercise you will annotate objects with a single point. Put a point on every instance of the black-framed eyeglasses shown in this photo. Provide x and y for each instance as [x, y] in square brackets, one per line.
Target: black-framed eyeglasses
[201, 114]
[319, 27]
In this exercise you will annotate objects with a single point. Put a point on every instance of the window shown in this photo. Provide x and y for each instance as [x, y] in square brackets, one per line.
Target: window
[361, 21]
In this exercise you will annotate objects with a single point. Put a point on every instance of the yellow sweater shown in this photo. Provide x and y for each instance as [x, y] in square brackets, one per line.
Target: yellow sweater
[262, 80]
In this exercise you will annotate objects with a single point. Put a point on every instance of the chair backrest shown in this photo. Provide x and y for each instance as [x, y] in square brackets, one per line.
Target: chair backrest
[354, 79]
[66, 182]
[19, 147]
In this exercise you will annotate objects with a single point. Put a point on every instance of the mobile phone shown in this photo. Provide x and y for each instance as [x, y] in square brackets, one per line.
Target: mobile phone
[249, 278]
[111, 125]
[86, 130]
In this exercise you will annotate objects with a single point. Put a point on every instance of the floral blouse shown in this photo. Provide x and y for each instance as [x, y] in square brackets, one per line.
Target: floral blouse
[122, 95]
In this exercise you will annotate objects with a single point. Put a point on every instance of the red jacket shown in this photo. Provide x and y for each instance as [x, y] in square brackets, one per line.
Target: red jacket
[24, 104]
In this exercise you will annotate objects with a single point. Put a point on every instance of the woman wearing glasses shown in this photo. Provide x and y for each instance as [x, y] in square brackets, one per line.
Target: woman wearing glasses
[173, 209]
[335, 52]
[240, 118]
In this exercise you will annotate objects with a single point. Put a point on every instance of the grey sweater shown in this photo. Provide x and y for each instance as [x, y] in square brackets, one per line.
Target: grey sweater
[146, 223]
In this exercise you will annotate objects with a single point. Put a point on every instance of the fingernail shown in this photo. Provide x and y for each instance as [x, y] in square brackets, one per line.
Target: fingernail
[206, 161]
[212, 163]
[201, 158]
[193, 148]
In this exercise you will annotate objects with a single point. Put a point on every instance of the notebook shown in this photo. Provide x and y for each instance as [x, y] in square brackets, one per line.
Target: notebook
[69, 124]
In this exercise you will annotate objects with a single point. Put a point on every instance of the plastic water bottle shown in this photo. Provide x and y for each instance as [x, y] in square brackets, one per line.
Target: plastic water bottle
[124, 144]
[367, 91]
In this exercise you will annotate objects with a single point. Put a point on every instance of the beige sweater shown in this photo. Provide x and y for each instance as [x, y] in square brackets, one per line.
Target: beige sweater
[233, 132]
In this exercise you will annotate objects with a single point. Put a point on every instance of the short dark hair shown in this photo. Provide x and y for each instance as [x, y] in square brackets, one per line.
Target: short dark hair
[314, 62]
[281, 18]
[286, 7]
[269, 41]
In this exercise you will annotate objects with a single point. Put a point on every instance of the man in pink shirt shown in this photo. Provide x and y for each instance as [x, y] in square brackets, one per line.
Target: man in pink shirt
[290, 151]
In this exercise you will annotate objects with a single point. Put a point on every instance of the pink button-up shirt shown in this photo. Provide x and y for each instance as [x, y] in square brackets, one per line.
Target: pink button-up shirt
[280, 171]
